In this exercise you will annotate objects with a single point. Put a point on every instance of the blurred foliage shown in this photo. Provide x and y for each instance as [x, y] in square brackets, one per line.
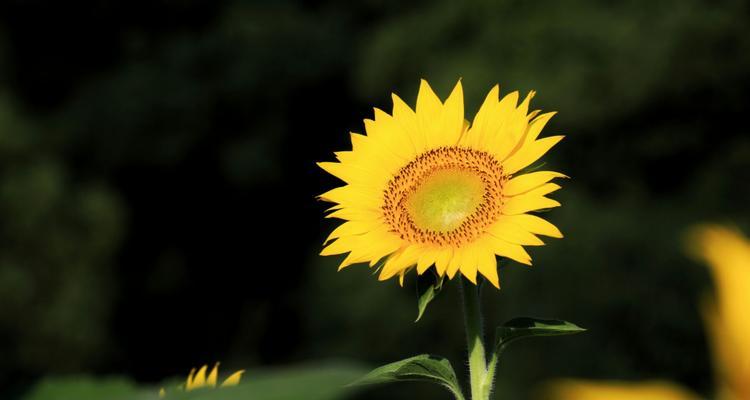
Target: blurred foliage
[157, 181]
[59, 233]
[323, 381]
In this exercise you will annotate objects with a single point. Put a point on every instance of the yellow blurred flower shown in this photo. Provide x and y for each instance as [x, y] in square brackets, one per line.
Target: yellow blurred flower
[426, 188]
[727, 316]
[588, 390]
[199, 379]
[727, 312]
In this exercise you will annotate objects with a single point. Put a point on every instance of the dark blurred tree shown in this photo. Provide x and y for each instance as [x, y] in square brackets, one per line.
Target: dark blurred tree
[59, 235]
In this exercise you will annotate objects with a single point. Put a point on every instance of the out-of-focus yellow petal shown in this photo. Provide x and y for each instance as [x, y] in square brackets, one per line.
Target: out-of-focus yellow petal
[234, 379]
[189, 384]
[589, 390]
[212, 376]
[727, 313]
[200, 378]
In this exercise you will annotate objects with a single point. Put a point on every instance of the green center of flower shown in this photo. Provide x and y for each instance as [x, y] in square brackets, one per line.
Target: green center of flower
[445, 199]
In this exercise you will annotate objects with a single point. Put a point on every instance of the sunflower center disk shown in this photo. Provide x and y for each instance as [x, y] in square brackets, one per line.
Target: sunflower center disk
[446, 196]
[445, 200]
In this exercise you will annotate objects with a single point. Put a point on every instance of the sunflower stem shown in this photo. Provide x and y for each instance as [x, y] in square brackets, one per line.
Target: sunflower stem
[479, 375]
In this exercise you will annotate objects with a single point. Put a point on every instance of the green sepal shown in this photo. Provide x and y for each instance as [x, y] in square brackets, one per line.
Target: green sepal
[429, 286]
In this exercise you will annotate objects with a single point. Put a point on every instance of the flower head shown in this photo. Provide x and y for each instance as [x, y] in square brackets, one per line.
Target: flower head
[199, 379]
[424, 188]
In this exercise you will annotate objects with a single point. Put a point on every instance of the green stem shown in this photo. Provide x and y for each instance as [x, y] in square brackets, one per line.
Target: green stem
[479, 375]
[490, 377]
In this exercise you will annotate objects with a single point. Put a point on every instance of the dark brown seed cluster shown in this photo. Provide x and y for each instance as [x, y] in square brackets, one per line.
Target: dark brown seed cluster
[411, 176]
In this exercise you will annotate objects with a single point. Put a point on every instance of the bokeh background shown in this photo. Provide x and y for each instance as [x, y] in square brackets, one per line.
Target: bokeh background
[157, 183]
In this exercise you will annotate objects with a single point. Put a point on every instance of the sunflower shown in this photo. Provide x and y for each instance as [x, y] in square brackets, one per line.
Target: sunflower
[424, 188]
[199, 380]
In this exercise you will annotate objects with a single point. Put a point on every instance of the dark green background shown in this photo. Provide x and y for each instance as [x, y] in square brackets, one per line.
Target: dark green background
[157, 181]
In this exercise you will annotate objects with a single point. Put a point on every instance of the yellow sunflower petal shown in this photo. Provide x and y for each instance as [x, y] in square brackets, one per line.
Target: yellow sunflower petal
[426, 260]
[380, 236]
[518, 121]
[454, 263]
[351, 194]
[483, 120]
[399, 261]
[401, 277]
[523, 183]
[351, 228]
[452, 124]
[536, 126]
[395, 134]
[511, 232]
[727, 253]
[533, 115]
[487, 264]
[351, 213]
[509, 250]
[383, 144]
[498, 139]
[441, 124]
[407, 118]
[442, 260]
[429, 113]
[468, 264]
[588, 390]
[190, 379]
[234, 379]
[534, 224]
[212, 376]
[200, 378]
[531, 201]
[529, 153]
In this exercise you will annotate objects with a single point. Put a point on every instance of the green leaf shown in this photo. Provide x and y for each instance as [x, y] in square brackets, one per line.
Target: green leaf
[519, 328]
[320, 381]
[428, 287]
[88, 388]
[314, 381]
[424, 368]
